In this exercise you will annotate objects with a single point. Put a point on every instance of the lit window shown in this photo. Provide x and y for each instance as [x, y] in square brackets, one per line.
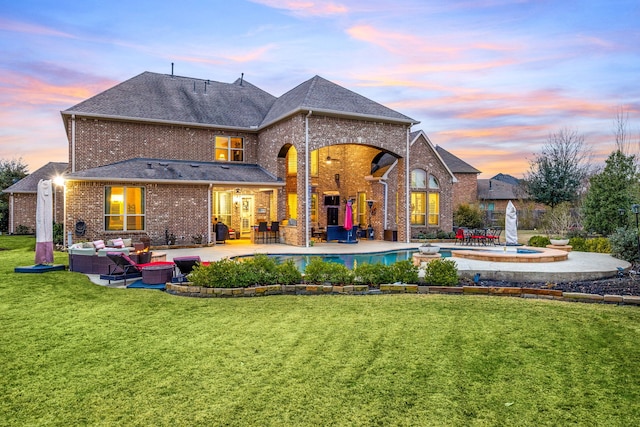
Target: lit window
[434, 208]
[229, 149]
[124, 209]
[292, 161]
[292, 205]
[418, 178]
[418, 208]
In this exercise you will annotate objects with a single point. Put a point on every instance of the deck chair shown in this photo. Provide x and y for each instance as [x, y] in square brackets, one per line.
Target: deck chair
[124, 268]
[460, 237]
[185, 265]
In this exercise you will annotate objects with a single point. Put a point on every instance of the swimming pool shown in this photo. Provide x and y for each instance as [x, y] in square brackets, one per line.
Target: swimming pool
[353, 260]
[349, 260]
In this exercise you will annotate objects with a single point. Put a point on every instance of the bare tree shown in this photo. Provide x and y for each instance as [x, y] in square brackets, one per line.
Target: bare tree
[560, 171]
[621, 132]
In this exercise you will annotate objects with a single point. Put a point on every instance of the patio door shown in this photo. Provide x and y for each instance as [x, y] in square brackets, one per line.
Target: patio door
[246, 216]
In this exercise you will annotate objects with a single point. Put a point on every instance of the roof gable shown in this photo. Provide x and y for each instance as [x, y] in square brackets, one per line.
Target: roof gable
[421, 135]
[320, 95]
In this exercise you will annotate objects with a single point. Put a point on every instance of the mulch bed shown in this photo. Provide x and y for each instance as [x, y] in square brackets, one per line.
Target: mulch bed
[626, 285]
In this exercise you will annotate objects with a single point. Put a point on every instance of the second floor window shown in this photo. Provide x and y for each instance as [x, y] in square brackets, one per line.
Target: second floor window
[229, 149]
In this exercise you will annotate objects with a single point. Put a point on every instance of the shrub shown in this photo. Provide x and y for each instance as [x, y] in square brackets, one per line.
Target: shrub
[288, 273]
[317, 271]
[23, 229]
[624, 244]
[598, 244]
[441, 272]
[539, 241]
[468, 216]
[58, 233]
[372, 274]
[262, 270]
[578, 244]
[403, 272]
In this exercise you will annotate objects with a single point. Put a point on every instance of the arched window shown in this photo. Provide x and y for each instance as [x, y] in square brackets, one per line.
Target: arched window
[418, 178]
[433, 183]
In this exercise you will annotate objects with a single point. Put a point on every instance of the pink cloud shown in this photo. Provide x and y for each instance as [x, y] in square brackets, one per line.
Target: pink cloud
[306, 8]
[23, 27]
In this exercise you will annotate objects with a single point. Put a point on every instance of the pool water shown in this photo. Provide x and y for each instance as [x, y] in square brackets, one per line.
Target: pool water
[351, 261]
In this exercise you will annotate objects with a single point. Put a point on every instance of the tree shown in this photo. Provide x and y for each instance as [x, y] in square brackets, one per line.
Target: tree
[610, 191]
[11, 171]
[557, 174]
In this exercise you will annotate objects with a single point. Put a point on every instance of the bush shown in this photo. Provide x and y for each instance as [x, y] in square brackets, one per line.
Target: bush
[376, 274]
[578, 244]
[598, 244]
[403, 272]
[624, 244]
[468, 216]
[58, 233]
[288, 273]
[373, 274]
[319, 272]
[539, 241]
[441, 272]
[23, 229]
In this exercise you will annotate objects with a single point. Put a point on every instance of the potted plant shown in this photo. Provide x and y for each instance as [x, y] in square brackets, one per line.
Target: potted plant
[557, 222]
[428, 248]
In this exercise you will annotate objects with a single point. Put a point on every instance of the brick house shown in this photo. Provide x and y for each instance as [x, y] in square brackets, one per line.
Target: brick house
[163, 154]
[22, 198]
[466, 188]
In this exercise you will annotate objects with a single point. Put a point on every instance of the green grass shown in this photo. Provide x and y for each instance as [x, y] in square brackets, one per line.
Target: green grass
[73, 353]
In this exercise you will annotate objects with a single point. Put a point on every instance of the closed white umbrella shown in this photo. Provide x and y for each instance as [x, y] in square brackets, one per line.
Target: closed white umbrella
[44, 223]
[511, 225]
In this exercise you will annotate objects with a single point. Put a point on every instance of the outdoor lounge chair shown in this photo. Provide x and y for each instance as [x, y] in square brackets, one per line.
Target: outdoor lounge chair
[185, 265]
[126, 268]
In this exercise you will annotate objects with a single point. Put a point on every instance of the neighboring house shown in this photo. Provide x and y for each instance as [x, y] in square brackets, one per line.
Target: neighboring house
[23, 196]
[161, 154]
[465, 191]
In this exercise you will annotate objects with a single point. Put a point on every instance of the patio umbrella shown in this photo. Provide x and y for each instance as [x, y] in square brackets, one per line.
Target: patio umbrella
[44, 223]
[511, 225]
[348, 219]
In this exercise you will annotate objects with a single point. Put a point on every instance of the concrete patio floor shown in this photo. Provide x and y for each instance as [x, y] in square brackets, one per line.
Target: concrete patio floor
[579, 265]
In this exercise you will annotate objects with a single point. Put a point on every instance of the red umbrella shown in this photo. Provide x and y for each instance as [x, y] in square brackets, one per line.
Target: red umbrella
[348, 217]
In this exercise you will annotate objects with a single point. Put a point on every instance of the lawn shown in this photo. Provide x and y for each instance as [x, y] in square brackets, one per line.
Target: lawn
[74, 353]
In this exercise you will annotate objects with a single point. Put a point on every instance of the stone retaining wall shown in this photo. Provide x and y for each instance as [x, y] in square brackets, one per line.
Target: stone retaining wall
[187, 289]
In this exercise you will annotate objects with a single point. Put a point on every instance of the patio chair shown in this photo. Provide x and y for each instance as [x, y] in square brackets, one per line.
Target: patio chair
[275, 231]
[185, 265]
[493, 236]
[262, 231]
[460, 237]
[479, 237]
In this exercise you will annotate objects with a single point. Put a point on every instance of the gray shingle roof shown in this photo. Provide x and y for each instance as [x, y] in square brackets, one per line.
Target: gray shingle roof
[163, 97]
[29, 184]
[167, 98]
[180, 171]
[454, 163]
[321, 95]
[491, 189]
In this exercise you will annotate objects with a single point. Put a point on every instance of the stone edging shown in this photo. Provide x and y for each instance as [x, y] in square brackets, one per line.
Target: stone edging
[188, 289]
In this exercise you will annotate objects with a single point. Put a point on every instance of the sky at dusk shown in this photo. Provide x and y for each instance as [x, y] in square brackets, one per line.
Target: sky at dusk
[489, 80]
